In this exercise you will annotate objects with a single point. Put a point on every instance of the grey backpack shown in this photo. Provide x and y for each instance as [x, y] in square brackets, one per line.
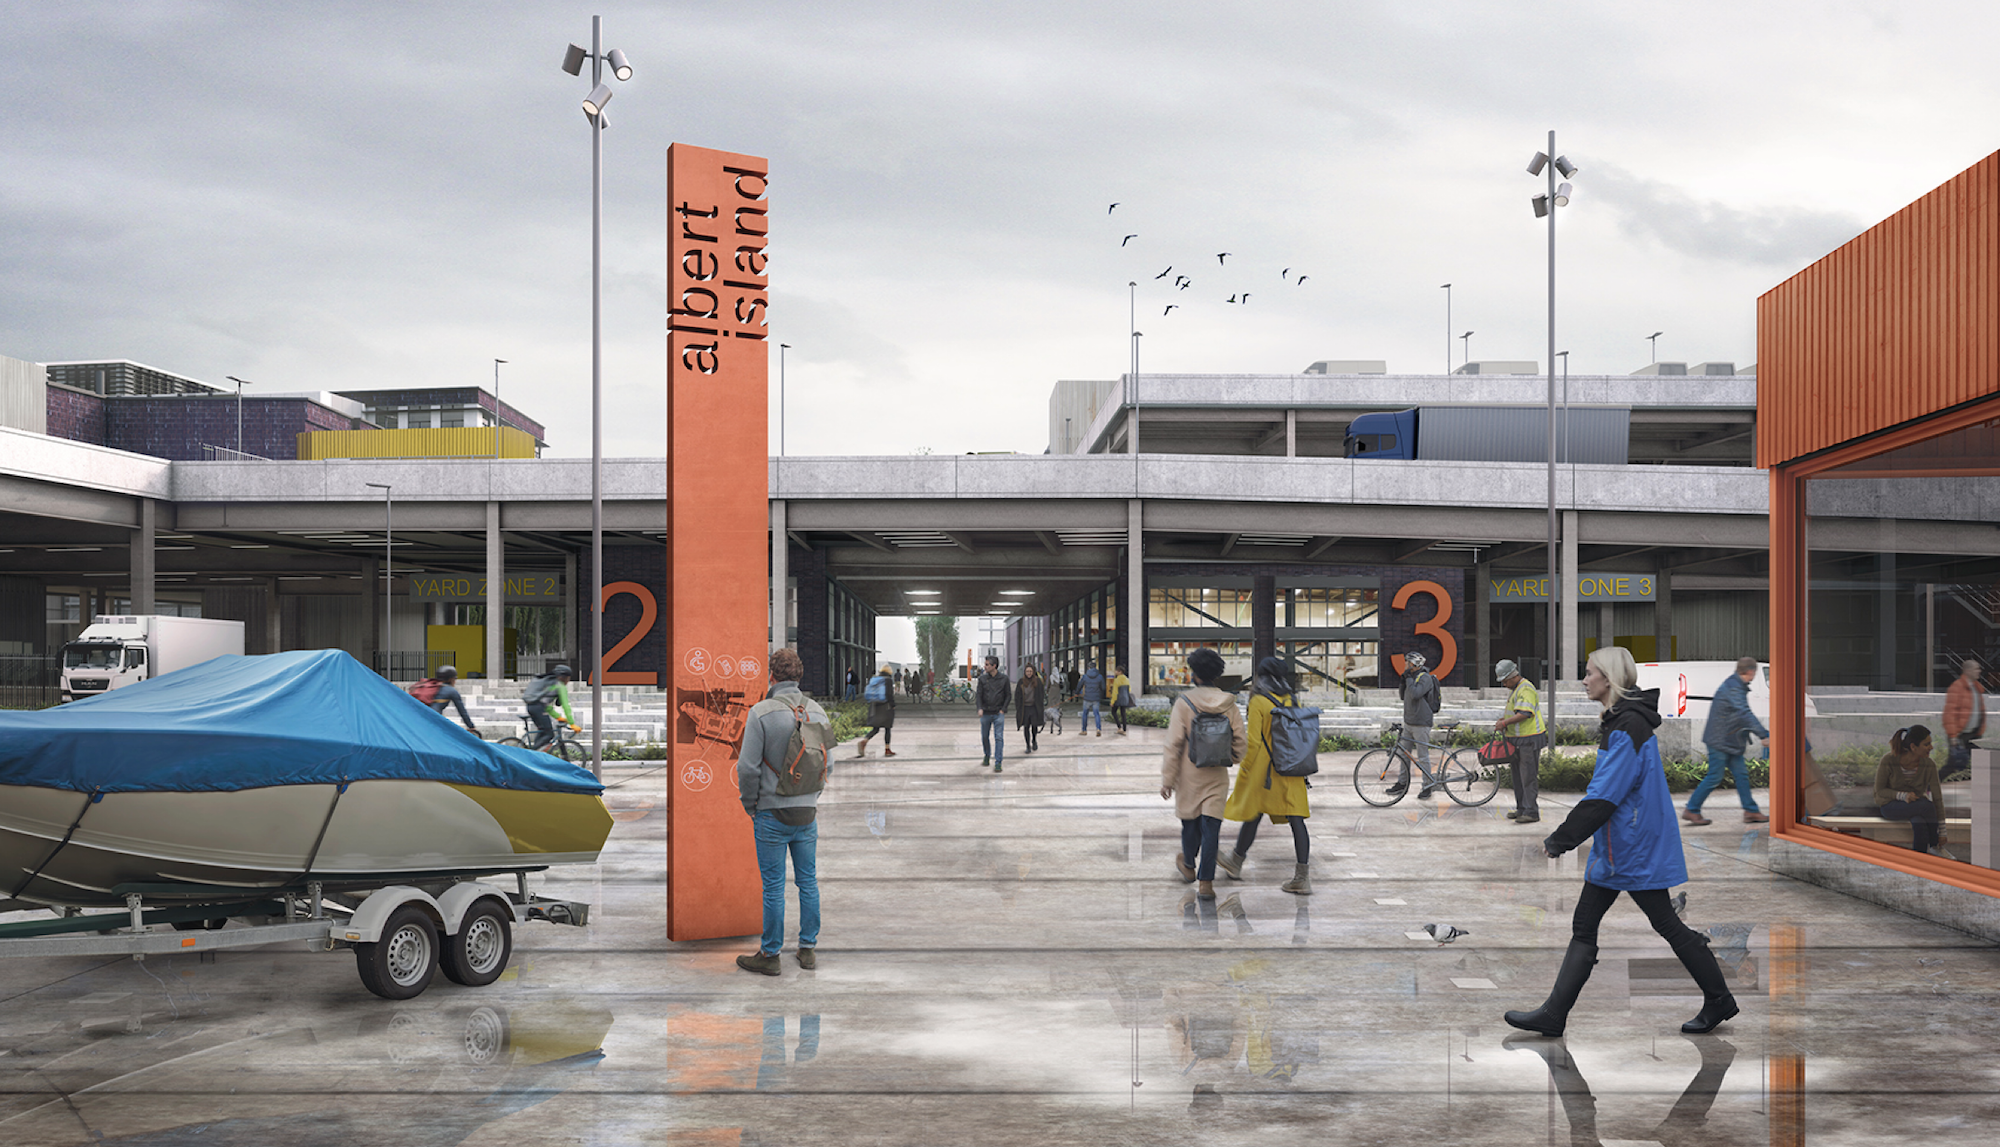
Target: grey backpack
[1211, 742]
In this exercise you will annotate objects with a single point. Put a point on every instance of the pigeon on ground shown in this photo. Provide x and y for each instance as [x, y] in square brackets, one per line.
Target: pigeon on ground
[1445, 933]
[1680, 903]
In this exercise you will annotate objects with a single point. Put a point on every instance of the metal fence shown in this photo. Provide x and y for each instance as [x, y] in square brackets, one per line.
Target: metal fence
[30, 681]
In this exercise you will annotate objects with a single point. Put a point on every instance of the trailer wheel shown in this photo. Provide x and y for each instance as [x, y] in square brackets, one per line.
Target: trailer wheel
[400, 965]
[478, 953]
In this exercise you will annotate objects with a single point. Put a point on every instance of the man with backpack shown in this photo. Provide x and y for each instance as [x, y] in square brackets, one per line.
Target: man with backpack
[442, 690]
[1091, 687]
[1205, 736]
[1421, 702]
[550, 689]
[780, 772]
[991, 692]
[880, 694]
[1271, 782]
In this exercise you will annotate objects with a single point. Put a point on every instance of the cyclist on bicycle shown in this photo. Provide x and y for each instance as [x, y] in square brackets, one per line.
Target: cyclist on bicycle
[551, 688]
[442, 690]
[1421, 701]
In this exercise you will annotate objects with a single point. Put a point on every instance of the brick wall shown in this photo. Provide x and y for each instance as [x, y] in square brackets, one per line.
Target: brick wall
[77, 415]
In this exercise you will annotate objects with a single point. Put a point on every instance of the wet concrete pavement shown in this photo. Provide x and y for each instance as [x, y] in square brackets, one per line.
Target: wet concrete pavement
[1011, 960]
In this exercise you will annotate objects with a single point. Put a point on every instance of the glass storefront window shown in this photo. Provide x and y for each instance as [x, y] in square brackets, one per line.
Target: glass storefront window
[1166, 661]
[1333, 608]
[1902, 627]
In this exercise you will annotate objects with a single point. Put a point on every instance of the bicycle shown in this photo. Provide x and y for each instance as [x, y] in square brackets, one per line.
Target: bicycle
[1381, 774]
[564, 744]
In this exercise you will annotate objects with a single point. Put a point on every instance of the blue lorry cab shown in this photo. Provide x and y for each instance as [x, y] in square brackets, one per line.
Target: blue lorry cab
[1391, 434]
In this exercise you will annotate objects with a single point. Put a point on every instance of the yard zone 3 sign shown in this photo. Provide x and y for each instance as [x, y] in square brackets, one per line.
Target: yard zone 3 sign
[718, 583]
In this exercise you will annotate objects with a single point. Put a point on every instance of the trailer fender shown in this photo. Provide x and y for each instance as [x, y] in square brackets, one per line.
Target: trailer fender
[365, 926]
[460, 897]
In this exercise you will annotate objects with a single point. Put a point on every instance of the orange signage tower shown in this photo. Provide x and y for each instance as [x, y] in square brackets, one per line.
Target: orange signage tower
[717, 608]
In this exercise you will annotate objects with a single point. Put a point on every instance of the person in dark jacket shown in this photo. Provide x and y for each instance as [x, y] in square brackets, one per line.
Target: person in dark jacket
[1628, 816]
[990, 694]
[1091, 690]
[1421, 701]
[1029, 698]
[881, 717]
[1730, 724]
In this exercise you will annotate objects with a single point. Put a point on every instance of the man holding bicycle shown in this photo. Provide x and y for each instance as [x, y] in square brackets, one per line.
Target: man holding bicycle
[1421, 702]
[551, 688]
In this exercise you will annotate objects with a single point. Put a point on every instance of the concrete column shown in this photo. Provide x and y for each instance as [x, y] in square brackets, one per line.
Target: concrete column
[1482, 624]
[1132, 431]
[569, 645]
[1607, 624]
[781, 552]
[1569, 655]
[1291, 434]
[1885, 621]
[1135, 590]
[1985, 811]
[274, 618]
[1663, 615]
[371, 597]
[144, 559]
[496, 594]
[1263, 617]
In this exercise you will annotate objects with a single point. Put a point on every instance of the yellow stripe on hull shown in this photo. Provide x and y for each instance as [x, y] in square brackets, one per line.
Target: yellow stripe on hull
[546, 822]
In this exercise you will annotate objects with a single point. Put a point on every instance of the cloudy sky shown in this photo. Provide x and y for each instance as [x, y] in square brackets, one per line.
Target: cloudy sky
[351, 195]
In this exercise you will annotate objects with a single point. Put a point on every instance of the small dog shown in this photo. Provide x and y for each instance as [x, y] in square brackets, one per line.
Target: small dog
[1053, 716]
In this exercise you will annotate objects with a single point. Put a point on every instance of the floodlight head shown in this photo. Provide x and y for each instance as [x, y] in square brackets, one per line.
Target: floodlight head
[1562, 194]
[1536, 164]
[1563, 166]
[1541, 203]
[573, 60]
[623, 69]
[593, 104]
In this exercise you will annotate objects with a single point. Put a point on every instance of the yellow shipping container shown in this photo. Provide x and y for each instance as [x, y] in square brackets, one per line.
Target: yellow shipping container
[447, 442]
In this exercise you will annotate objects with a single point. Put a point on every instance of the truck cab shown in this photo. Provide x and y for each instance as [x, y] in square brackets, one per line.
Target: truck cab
[93, 665]
[1390, 434]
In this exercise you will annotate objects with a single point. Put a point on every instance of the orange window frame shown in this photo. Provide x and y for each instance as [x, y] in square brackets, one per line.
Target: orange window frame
[1789, 646]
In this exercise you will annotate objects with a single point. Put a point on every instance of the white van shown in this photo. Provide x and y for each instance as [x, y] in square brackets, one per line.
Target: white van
[1687, 687]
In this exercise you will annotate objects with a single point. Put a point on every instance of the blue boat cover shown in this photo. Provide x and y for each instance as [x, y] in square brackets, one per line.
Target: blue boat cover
[313, 717]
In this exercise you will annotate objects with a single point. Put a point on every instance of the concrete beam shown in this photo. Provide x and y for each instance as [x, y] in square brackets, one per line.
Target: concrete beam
[777, 510]
[1318, 546]
[958, 539]
[1228, 544]
[1048, 541]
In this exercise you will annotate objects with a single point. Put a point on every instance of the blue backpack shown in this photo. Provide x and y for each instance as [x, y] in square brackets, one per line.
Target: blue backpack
[1294, 740]
[878, 689]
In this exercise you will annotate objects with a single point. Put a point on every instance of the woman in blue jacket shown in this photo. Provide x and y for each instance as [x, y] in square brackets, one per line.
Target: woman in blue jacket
[1629, 817]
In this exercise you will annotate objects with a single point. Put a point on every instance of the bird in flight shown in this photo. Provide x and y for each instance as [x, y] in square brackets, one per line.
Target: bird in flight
[1110, 209]
[1246, 296]
[1128, 238]
[1221, 255]
[1171, 307]
[1186, 283]
[1285, 274]
[1232, 298]
[1302, 279]
[1162, 274]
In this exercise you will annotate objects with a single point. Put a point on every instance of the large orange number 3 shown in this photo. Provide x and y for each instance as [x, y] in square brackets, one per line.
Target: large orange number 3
[1434, 627]
[649, 611]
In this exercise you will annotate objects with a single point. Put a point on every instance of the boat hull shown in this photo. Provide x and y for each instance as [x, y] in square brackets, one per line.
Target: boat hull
[60, 847]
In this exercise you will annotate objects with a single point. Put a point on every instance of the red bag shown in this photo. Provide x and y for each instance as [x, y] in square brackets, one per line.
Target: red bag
[426, 690]
[1497, 752]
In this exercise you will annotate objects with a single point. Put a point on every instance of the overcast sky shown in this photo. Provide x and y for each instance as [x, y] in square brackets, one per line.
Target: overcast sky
[351, 195]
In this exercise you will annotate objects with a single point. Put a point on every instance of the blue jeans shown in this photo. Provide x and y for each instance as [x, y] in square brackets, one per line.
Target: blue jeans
[993, 735]
[1718, 761]
[774, 839]
[1092, 709]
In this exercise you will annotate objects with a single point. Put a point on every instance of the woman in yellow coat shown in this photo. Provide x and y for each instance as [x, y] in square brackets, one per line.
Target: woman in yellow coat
[1260, 791]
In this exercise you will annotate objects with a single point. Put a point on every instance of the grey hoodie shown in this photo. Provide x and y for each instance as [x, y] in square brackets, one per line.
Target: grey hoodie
[1417, 690]
[767, 732]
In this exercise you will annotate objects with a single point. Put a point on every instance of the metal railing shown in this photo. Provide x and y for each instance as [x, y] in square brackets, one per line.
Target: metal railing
[30, 680]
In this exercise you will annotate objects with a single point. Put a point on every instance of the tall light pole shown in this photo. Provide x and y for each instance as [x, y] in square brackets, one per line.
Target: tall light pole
[593, 112]
[1545, 207]
[1653, 346]
[1564, 355]
[782, 348]
[498, 423]
[240, 384]
[1446, 287]
[1466, 340]
[388, 565]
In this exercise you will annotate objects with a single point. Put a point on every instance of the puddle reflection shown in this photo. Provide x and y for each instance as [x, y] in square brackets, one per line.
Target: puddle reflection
[1685, 1123]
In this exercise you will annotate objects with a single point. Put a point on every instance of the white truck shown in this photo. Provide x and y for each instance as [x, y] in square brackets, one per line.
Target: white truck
[116, 650]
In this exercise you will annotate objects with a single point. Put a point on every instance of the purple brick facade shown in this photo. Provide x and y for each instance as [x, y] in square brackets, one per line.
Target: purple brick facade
[77, 415]
[177, 427]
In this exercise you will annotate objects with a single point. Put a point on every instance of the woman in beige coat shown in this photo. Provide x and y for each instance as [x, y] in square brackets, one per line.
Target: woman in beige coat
[1199, 793]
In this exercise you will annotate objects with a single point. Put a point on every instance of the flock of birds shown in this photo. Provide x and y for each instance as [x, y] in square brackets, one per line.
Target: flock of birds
[1239, 297]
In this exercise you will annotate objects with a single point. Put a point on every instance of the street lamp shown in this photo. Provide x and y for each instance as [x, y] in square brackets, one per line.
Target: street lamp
[388, 560]
[593, 110]
[1545, 205]
[1446, 288]
[240, 384]
[1653, 345]
[1466, 341]
[498, 423]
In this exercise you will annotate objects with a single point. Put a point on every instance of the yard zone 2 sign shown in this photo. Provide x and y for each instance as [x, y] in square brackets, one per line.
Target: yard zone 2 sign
[718, 582]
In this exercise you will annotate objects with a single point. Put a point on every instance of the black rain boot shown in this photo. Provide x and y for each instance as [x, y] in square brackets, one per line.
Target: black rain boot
[1553, 1016]
[1717, 1004]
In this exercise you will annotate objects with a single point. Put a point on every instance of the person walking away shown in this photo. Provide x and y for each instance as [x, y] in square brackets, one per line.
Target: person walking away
[990, 692]
[1527, 733]
[1964, 718]
[780, 773]
[1628, 816]
[551, 688]
[1120, 692]
[1205, 736]
[1730, 723]
[1421, 702]
[853, 683]
[881, 698]
[442, 690]
[1073, 678]
[1907, 786]
[1260, 790]
[1091, 687]
[1028, 704]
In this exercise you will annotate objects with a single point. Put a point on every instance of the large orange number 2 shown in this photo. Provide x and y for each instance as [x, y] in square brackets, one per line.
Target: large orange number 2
[1434, 627]
[649, 611]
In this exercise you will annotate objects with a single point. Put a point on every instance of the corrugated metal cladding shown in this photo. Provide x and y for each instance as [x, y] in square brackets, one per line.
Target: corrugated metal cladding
[449, 442]
[1593, 435]
[1901, 322]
